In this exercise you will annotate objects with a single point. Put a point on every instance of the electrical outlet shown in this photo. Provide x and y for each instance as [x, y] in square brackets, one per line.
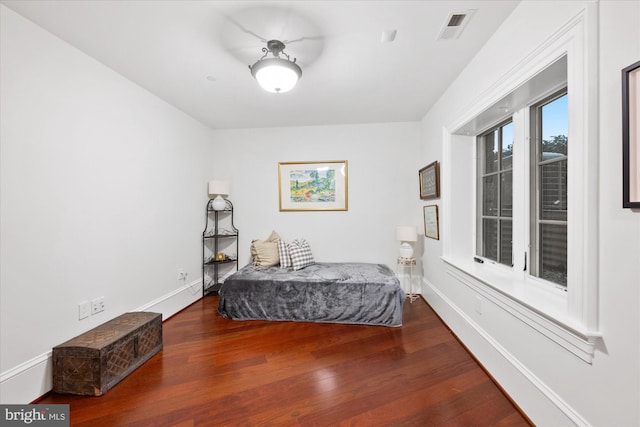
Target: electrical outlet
[97, 305]
[478, 304]
[182, 275]
[84, 310]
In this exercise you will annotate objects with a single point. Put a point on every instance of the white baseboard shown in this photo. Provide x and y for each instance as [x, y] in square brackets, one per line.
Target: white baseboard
[171, 303]
[33, 378]
[27, 381]
[541, 404]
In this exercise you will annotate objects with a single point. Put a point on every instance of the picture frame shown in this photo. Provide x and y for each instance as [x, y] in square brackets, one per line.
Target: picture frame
[429, 177]
[631, 136]
[431, 225]
[313, 186]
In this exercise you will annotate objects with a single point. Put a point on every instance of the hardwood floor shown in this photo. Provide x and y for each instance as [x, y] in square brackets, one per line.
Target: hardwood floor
[220, 372]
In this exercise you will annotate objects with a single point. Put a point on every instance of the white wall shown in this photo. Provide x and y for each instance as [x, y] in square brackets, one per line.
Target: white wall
[103, 189]
[382, 179]
[551, 385]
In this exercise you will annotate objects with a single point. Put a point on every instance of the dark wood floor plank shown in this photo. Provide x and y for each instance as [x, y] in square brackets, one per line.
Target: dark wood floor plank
[217, 372]
[416, 407]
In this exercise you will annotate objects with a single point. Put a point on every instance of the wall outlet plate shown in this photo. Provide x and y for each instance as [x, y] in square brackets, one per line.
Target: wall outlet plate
[97, 305]
[84, 310]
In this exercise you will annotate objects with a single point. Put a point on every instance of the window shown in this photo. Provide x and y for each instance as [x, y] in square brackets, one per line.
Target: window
[552, 281]
[549, 166]
[495, 192]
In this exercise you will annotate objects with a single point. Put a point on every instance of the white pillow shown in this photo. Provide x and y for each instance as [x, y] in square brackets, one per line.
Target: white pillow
[300, 253]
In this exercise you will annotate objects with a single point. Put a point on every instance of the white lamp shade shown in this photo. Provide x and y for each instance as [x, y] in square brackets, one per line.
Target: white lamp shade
[406, 233]
[276, 75]
[218, 188]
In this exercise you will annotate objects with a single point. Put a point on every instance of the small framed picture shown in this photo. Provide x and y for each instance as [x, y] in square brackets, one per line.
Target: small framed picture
[431, 226]
[430, 181]
[631, 136]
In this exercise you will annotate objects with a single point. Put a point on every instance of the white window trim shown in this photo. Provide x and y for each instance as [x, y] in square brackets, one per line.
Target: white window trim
[570, 319]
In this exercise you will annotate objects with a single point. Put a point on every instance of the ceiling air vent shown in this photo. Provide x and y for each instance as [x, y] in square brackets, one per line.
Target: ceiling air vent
[454, 24]
[456, 20]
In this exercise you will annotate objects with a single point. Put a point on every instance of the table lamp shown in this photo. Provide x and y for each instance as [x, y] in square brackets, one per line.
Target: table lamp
[406, 234]
[218, 189]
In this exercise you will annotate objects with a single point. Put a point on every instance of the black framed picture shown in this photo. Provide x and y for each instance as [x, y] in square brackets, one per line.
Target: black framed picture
[631, 136]
[430, 181]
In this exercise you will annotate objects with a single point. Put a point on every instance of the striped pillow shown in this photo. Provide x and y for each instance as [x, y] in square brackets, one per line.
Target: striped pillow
[283, 251]
[300, 253]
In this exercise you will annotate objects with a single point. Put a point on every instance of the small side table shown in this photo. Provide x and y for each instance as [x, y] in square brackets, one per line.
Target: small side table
[409, 263]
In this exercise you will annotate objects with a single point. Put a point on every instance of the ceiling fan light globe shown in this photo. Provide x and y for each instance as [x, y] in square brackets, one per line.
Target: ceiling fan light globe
[276, 75]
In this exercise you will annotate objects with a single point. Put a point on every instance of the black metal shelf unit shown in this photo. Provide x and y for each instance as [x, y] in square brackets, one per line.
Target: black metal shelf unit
[218, 238]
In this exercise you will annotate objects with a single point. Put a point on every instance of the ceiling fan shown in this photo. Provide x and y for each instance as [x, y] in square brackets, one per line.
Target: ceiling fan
[275, 71]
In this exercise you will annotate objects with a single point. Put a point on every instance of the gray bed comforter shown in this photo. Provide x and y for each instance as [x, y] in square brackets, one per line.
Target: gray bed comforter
[358, 293]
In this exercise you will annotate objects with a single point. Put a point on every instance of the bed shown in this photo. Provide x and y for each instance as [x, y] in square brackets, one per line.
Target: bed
[356, 293]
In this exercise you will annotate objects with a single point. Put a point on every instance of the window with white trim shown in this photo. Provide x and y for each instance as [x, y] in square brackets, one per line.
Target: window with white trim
[552, 281]
[545, 150]
[549, 143]
[495, 191]
[548, 161]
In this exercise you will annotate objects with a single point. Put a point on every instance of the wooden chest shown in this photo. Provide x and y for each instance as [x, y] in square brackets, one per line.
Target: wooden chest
[93, 362]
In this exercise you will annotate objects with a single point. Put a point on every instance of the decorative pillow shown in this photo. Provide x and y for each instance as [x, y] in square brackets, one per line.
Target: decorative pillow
[273, 237]
[283, 252]
[300, 253]
[262, 251]
[265, 254]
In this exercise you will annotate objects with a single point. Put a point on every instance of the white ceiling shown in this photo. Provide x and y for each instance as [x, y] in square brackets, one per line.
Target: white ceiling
[195, 54]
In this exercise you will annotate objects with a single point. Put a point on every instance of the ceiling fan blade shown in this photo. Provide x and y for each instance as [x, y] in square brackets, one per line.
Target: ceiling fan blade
[301, 39]
[244, 30]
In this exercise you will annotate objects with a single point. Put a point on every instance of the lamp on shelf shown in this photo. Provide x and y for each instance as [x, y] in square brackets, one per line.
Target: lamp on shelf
[406, 234]
[218, 189]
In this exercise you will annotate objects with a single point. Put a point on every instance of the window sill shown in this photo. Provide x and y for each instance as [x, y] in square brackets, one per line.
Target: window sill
[542, 309]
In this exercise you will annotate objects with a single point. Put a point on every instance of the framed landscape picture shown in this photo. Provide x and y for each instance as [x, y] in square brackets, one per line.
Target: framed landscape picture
[313, 186]
[430, 181]
[631, 136]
